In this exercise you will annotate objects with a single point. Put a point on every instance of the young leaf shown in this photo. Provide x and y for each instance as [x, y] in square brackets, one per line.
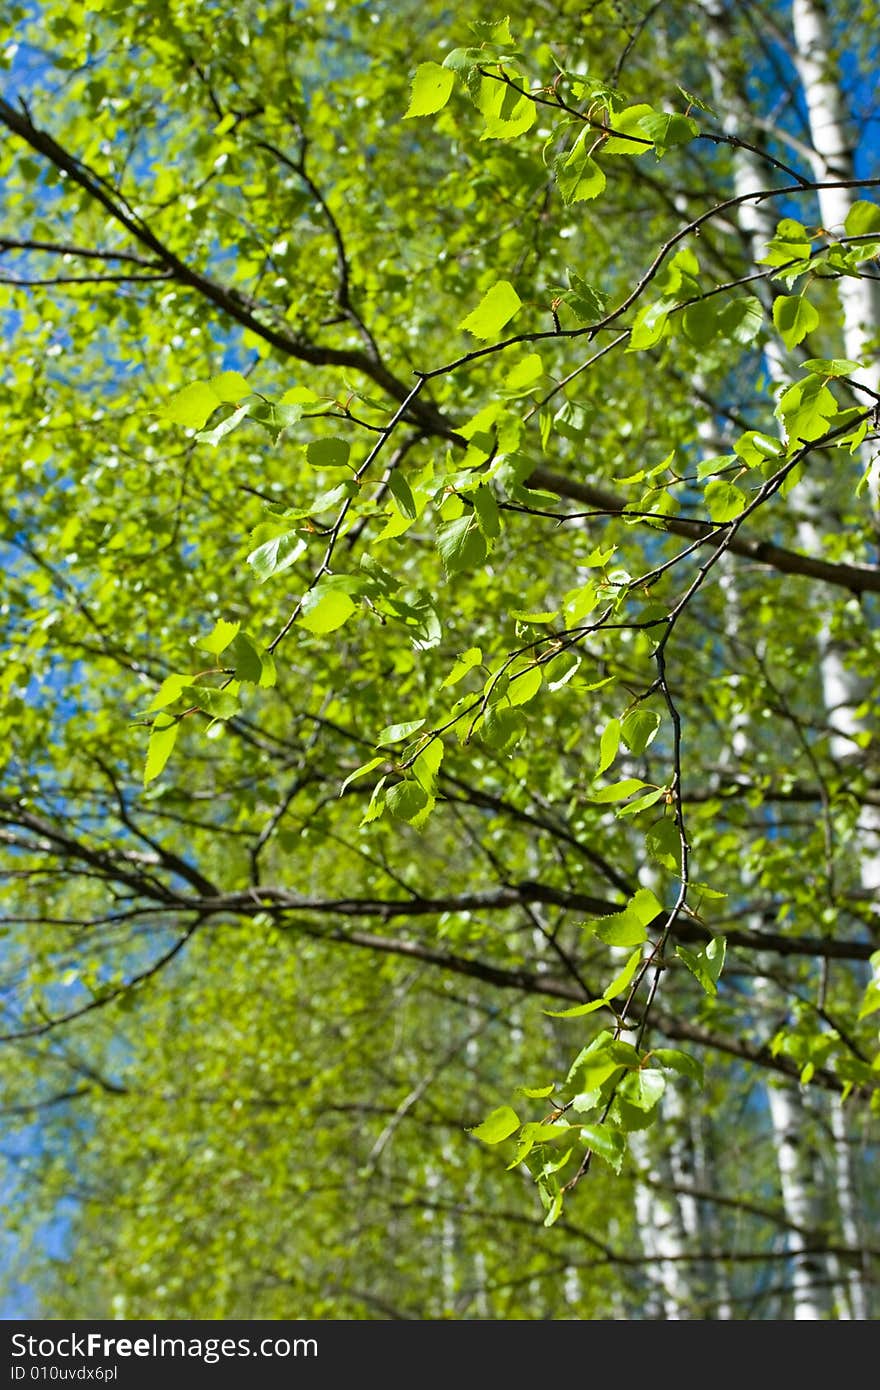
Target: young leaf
[162, 740]
[705, 964]
[526, 375]
[325, 609]
[649, 325]
[431, 89]
[724, 501]
[863, 219]
[487, 514]
[328, 453]
[578, 176]
[682, 1062]
[402, 493]
[525, 685]
[622, 980]
[578, 1010]
[639, 728]
[461, 544]
[607, 1143]
[396, 733]
[629, 135]
[218, 640]
[360, 772]
[427, 765]
[498, 1126]
[618, 791]
[230, 387]
[608, 746]
[668, 129]
[192, 406]
[406, 800]
[276, 555]
[466, 662]
[497, 307]
[795, 317]
[168, 692]
[253, 663]
[220, 704]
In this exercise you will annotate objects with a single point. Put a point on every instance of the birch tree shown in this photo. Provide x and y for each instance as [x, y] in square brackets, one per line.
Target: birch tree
[439, 639]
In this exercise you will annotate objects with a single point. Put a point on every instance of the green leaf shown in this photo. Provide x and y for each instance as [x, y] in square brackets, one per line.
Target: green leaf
[706, 964]
[427, 765]
[664, 844]
[525, 375]
[163, 737]
[220, 704]
[431, 89]
[219, 638]
[572, 420]
[397, 733]
[168, 692]
[578, 177]
[629, 123]
[622, 929]
[376, 807]
[402, 493]
[536, 1092]
[623, 979]
[276, 555]
[192, 406]
[486, 509]
[639, 729]
[586, 303]
[668, 129]
[406, 800]
[758, 450]
[724, 501]
[795, 317]
[700, 322]
[682, 1062]
[629, 927]
[328, 453]
[230, 387]
[606, 1143]
[497, 307]
[863, 219]
[649, 326]
[741, 320]
[642, 803]
[461, 544]
[498, 1126]
[225, 427]
[643, 1088]
[578, 1010]
[507, 111]
[535, 619]
[618, 791]
[830, 366]
[361, 772]
[524, 685]
[806, 408]
[466, 662]
[325, 609]
[609, 743]
[253, 664]
[492, 31]
[502, 728]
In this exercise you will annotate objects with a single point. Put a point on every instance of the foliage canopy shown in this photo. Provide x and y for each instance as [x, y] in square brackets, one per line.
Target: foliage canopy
[439, 618]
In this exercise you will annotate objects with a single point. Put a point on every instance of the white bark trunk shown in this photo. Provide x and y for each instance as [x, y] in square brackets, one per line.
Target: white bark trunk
[800, 1185]
[847, 1207]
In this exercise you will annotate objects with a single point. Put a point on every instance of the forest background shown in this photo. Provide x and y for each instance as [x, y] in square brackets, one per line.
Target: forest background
[440, 801]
